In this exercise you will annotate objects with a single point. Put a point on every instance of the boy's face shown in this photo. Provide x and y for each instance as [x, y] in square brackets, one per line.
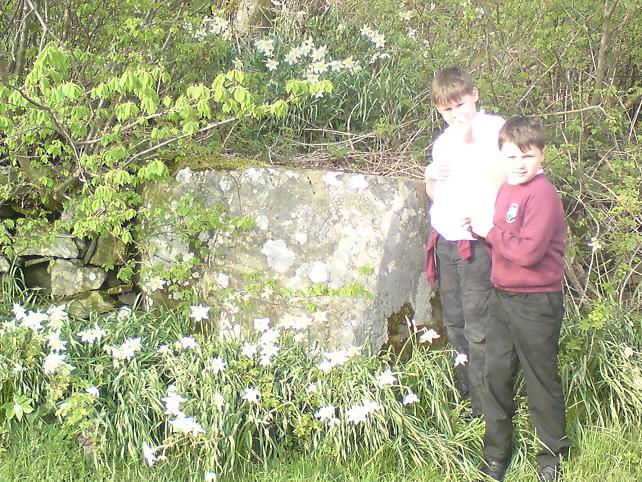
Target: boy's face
[521, 166]
[460, 111]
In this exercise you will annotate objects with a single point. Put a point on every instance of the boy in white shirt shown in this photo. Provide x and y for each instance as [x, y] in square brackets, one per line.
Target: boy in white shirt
[462, 182]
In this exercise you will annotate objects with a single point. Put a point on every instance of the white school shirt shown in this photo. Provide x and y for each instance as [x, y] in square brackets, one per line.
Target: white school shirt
[469, 190]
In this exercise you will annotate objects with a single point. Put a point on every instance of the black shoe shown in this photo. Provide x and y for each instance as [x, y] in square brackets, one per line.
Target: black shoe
[548, 474]
[494, 469]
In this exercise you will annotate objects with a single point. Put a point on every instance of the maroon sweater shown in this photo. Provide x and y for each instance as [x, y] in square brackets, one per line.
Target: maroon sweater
[528, 236]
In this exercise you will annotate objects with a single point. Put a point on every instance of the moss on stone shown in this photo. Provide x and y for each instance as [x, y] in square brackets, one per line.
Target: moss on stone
[224, 163]
[398, 331]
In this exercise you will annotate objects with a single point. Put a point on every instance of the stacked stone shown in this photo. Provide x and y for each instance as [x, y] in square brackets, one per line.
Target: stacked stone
[72, 270]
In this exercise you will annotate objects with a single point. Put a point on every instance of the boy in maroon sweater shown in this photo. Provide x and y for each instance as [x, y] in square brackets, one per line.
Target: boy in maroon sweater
[526, 241]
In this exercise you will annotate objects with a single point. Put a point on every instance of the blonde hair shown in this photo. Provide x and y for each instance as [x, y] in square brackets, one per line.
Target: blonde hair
[450, 85]
[524, 132]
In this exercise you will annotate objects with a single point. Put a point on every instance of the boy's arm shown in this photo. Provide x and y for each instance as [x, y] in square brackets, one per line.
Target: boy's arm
[430, 183]
[541, 218]
[437, 170]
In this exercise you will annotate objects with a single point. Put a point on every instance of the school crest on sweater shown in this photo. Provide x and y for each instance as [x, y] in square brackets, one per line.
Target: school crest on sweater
[511, 213]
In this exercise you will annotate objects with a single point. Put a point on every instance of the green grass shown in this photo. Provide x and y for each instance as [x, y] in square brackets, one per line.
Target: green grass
[42, 453]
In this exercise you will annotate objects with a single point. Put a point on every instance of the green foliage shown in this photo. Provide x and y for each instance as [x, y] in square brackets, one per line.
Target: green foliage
[88, 119]
[17, 408]
[115, 399]
[128, 89]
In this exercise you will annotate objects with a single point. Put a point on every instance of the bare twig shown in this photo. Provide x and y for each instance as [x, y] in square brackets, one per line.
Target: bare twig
[42, 21]
[177, 138]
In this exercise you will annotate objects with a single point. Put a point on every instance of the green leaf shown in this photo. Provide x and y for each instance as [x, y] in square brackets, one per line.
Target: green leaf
[190, 127]
[149, 104]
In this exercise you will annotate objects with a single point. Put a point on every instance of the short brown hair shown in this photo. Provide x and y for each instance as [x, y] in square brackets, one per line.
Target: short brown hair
[524, 132]
[450, 85]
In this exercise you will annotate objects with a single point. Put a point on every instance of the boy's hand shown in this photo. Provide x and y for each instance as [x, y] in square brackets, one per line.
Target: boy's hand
[480, 228]
[463, 127]
[476, 227]
[436, 171]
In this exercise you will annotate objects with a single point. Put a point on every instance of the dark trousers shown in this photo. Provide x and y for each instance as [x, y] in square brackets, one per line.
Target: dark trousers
[524, 328]
[464, 288]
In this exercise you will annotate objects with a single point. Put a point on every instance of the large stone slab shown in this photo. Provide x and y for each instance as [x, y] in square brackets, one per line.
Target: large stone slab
[44, 241]
[84, 304]
[332, 255]
[109, 251]
[72, 277]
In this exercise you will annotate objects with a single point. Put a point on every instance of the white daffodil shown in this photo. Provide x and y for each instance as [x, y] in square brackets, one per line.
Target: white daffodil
[124, 313]
[386, 379]
[351, 65]
[261, 324]
[269, 337]
[292, 57]
[371, 406]
[319, 54]
[57, 317]
[186, 343]
[410, 398]
[210, 477]
[55, 343]
[271, 64]
[461, 359]
[311, 77]
[172, 403]
[628, 352]
[186, 425]
[312, 388]
[148, 454]
[298, 323]
[307, 46]
[91, 334]
[33, 320]
[155, 283]
[378, 39]
[265, 46]
[219, 400]
[251, 395]
[429, 336]
[126, 351]
[217, 365]
[93, 391]
[53, 362]
[357, 414]
[265, 361]
[270, 350]
[199, 312]
[249, 349]
[18, 311]
[595, 244]
[326, 414]
[334, 359]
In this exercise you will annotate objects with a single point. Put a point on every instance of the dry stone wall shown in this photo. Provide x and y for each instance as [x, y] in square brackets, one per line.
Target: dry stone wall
[336, 257]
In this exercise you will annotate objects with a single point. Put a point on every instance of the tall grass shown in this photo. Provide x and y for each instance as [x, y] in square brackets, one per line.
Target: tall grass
[601, 370]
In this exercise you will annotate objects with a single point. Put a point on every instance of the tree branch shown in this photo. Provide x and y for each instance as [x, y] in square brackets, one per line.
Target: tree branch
[178, 138]
[43, 23]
